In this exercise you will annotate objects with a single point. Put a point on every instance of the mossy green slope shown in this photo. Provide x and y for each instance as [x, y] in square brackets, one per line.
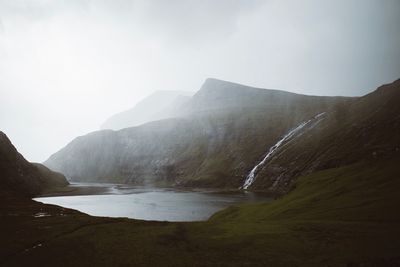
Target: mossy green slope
[365, 191]
[365, 129]
[338, 217]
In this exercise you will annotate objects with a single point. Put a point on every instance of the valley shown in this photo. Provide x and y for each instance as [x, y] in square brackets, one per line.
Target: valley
[331, 165]
[349, 223]
[199, 133]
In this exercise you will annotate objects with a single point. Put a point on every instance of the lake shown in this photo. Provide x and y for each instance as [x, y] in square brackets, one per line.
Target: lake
[159, 204]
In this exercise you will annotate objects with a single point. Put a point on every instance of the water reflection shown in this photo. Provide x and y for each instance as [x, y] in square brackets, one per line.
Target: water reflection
[152, 204]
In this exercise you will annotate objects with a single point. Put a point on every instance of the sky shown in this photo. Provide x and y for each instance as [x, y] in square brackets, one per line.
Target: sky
[66, 66]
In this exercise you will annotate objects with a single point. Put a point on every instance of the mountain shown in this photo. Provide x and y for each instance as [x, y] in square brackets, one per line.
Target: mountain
[157, 106]
[225, 129]
[21, 177]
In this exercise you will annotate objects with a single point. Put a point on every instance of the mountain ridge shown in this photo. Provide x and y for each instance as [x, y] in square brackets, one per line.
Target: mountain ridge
[213, 145]
[160, 104]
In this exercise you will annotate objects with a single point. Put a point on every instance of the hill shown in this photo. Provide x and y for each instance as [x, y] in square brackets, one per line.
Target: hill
[367, 128]
[18, 176]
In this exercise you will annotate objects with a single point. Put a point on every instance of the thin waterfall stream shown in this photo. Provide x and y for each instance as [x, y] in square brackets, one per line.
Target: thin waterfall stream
[252, 175]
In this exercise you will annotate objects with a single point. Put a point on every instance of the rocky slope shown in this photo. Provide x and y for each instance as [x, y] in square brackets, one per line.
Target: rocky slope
[18, 176]
[227, 127]
[157, 106]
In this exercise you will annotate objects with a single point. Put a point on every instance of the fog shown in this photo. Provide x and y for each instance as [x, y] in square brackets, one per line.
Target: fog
[66, 66]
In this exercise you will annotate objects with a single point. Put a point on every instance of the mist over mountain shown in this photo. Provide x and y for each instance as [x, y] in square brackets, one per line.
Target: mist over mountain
[221, 133]
[157, 106]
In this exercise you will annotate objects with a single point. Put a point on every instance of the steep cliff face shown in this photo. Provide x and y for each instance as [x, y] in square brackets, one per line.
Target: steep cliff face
[225, 129]
[18, 176]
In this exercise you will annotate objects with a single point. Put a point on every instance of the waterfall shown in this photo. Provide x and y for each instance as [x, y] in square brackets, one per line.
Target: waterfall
[252, 175]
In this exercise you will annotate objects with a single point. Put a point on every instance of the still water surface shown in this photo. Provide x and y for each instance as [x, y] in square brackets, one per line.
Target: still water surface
[153, 203]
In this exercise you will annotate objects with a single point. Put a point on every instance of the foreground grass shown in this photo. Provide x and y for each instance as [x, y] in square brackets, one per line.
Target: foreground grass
[340, 217]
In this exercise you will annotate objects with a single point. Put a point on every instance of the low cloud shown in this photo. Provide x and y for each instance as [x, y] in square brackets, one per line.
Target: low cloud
[65, 66]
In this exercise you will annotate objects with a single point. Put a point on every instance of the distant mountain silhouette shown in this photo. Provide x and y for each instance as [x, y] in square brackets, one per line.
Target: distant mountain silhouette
[157, 106]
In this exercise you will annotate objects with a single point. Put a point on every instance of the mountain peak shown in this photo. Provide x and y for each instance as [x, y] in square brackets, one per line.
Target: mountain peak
[220, 94]
[217, 84]
[213, 86]
[212, 80]
[159, 105]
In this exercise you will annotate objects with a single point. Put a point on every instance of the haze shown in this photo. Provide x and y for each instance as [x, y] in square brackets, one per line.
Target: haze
[66, 66]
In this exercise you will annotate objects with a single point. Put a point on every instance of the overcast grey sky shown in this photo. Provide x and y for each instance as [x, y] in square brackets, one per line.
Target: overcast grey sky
[65, 66]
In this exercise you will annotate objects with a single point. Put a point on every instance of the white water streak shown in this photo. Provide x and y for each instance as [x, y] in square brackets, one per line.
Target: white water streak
[252, 175]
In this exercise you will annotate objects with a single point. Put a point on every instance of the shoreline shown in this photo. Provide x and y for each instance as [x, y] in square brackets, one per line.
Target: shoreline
[80, 189]
[76, 190]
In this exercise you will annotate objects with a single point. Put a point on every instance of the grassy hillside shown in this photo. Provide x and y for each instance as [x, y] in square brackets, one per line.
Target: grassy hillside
[360, 192]
[50, 179]
[18, 176]
[365, 129]
[338, 217]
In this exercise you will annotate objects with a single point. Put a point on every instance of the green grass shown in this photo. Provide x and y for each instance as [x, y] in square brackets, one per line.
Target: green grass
[336, 217]
[360, 192]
